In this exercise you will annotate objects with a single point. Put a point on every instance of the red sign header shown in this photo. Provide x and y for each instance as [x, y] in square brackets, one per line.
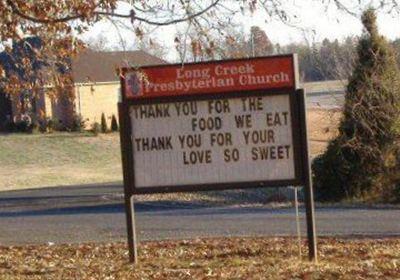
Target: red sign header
[210, 77]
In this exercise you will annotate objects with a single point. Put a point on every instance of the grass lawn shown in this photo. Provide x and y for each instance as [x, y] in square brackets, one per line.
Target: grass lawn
[29, 161]
[58, 159]
[220, 258]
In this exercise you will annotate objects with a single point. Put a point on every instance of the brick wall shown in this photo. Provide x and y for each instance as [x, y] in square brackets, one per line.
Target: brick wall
[60, 108]
[94, 99]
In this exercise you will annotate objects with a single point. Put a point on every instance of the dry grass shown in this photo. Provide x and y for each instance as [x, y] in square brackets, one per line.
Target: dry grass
[222, 258]
[29, 161]
[322, 126]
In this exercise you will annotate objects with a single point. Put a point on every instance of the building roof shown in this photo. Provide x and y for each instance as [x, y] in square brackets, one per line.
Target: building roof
[91, 66]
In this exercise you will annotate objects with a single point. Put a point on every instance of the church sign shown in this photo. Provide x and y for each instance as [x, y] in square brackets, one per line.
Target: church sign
[214, 125]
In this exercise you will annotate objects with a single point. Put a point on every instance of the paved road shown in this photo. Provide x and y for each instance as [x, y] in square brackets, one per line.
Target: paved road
[95, 213]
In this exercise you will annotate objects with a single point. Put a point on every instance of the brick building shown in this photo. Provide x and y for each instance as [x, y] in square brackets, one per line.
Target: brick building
[96, 88]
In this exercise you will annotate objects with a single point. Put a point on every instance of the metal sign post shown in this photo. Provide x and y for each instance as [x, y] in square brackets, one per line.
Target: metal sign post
[133, 255]
[129, 205]
[298, 230]
[308, 187]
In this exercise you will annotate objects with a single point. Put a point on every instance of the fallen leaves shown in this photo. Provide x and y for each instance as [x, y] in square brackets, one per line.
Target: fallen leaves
[218, 258]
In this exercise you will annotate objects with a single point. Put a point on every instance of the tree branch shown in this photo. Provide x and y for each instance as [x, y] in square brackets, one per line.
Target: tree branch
[132, 16]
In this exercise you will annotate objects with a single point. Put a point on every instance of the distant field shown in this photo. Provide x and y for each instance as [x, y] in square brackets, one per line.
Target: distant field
[325, 86]
[29, 161]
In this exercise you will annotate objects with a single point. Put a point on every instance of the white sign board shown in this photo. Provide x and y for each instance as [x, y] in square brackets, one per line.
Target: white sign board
[240, 139]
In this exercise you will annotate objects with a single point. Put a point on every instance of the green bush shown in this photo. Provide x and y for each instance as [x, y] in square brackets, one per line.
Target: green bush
[104, 128]
[54, 124]
[42, 126]
[114, 123]
[35, 127]
[363, 161]
[9, 126]
[22, 126]
[78, 124]
[50, 124]
[95, 128]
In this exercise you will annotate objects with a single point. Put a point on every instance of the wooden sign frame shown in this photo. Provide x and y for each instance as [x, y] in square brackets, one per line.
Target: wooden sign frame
[296, 141]
[299, 142]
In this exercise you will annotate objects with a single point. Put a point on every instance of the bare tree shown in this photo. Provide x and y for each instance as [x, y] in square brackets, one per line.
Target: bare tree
[154, 47]
[260, 43]
[61, 21]
[98, 43]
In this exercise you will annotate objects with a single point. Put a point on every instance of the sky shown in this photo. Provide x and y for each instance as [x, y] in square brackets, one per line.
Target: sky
[326, 22]
[314, 22]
